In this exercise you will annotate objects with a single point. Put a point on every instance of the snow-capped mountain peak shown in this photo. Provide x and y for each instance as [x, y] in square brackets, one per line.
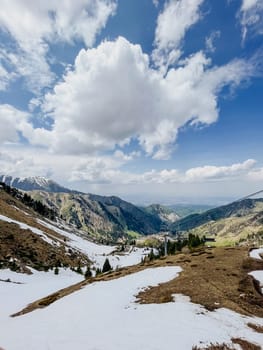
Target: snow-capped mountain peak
[33, 183]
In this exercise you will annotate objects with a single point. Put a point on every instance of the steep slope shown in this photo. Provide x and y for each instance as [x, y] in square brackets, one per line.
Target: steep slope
[33, 183]
[25, 242]
[99, 216]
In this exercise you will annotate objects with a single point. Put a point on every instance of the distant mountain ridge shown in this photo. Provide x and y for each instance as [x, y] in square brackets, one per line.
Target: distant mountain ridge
[100, 216]
[33, 183]
[234, 209]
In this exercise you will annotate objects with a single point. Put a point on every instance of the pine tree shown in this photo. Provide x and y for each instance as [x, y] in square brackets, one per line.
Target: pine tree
[56, 271]
[106, 267]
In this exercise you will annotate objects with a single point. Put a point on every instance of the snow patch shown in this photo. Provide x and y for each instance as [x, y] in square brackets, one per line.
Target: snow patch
[255, 253]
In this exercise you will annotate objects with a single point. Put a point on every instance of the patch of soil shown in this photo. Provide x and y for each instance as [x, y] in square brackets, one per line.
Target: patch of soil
[214, 347]
[256, 327]
[245, 345]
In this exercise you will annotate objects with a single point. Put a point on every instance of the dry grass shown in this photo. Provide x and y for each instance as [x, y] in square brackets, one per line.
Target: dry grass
[25, 246]
[31, 250]
[16, 210]
[244, 344]
[214, 283]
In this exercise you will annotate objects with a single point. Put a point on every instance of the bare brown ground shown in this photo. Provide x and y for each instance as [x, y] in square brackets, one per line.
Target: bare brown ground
[244, 344]
[213, 278]
[256, 327]
[214, 347]
[16, 210]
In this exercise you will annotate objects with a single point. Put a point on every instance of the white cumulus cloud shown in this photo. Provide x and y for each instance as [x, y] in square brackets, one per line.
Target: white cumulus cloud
[112, 95]
[33, 25]
[172, 24]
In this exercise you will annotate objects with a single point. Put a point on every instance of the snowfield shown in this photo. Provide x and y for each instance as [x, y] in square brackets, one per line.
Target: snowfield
[28, 288]
[97, 253]
[105, 316]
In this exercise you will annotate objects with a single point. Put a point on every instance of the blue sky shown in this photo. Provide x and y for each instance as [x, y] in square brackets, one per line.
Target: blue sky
[149, 100]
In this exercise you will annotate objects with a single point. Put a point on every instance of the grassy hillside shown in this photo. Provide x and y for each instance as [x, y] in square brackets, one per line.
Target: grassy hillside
[236, 209]
[101, 217]
[237, 222]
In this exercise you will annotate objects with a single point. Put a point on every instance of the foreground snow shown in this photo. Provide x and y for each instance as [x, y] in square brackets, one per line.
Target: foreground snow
[24, 289]
[104, 316]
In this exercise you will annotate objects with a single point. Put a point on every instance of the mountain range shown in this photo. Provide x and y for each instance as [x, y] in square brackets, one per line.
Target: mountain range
[100, 217]
[33, 183]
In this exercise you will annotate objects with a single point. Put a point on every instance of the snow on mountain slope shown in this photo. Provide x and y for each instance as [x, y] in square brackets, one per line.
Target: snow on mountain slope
[104, 315]
[33, 183]
[97, 253]
[28, 227]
